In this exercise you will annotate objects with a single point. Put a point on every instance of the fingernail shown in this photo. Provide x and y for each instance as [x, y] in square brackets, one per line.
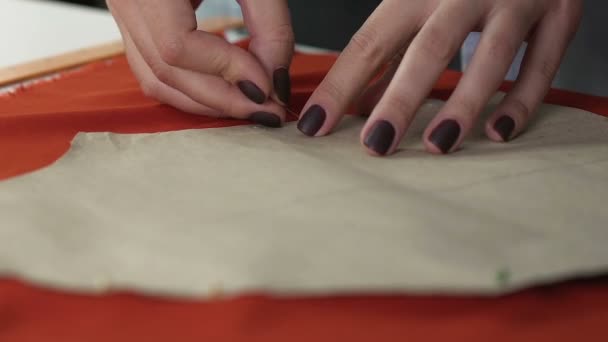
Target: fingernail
[282, 84]
[380, 138]
[445, 135]
[504, 126]
[312, 121]
[252, 91]
[266, 119]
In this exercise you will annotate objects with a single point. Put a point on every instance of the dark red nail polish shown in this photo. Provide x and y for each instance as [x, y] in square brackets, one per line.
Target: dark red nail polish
[252, 91]
[266, 119]
[504, 126]
[380, 137]
[312, 121]
[282, 84]
[445, 135]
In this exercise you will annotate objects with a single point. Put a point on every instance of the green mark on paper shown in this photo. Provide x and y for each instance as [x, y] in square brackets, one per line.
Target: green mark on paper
[503, 276]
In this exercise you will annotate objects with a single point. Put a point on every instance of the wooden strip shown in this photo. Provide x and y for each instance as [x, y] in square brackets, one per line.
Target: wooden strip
[53, 64]
[219, 24]
[49, 65]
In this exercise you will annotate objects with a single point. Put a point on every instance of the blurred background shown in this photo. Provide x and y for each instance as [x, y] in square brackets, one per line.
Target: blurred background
[585, 68]
[209, 8]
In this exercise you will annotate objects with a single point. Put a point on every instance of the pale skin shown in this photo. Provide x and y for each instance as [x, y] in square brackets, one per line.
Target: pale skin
[198, 72]
[416, 39]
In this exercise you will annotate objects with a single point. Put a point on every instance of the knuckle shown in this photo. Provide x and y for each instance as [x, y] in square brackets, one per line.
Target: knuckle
[546, 70]
[333, 90]
[161, 71]
[365, 45]
[502, 46]
[281, 34]
[468, 106]
[519, 108]
[398, 103]
[437, 45]
[221, 61]
[172, 49]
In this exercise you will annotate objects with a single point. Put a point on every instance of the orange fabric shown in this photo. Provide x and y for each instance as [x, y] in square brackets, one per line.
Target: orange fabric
[38, 123]
[565, 313]
[36, 126]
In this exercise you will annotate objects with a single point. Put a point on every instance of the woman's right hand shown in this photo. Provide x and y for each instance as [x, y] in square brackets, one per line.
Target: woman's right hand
[199, 72]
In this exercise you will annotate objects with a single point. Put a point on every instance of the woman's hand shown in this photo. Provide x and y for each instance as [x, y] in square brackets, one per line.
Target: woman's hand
[418, 38]
[200, 73]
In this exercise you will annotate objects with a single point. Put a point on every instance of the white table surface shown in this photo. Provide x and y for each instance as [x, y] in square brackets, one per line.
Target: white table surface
[34, 29]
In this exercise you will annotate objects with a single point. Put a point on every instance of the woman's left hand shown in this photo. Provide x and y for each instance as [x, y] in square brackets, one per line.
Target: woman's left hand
[417, 39]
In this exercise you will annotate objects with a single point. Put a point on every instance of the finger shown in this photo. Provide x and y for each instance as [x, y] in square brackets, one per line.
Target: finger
[500, 41]
[383, 34]
[427, 56]
[545, 52]
[272, 41]
[173, 29]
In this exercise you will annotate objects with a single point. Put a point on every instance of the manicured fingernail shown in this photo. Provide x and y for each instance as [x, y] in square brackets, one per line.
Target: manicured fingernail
[252, 91]
[380, 138]
[445, 135]
[282, 84]
[266, 119]
[312, 121]
[504, 126]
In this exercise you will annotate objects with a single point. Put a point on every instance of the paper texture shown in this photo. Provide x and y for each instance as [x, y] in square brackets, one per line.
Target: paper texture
[245, 208]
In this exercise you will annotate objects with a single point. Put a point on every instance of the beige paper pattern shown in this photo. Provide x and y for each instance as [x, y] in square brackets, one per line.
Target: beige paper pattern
[251, 209]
